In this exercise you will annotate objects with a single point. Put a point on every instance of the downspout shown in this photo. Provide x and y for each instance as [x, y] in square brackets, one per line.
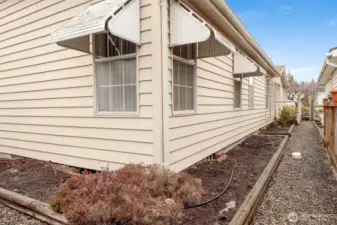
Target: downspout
[165, 88]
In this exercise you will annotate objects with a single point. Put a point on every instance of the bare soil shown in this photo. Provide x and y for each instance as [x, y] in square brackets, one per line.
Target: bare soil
[278, 128]
[35, 179]
[249, 158]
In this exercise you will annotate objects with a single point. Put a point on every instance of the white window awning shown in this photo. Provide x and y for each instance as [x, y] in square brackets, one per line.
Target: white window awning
[244, 67]
[188, 28]
[119, 17]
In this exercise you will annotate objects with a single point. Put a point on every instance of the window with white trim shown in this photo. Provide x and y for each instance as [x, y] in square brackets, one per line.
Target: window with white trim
[267, 92]
[184, 58]
[237, 92]
[115, 75]
[251, 92]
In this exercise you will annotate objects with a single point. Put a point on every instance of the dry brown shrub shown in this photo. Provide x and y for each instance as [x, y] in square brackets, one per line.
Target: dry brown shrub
[134, 194]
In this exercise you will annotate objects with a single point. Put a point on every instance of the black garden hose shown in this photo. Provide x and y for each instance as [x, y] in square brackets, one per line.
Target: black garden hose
[216, 197]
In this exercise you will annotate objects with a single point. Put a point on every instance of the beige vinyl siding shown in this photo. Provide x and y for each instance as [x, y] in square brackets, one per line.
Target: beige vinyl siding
[334, 80]
[216, 124]
[47, 92]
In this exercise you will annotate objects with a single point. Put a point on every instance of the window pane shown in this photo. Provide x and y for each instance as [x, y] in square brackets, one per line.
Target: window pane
[130, 95]
[190, 99]
[182, 98]
[183, 90]
[190, 76]
[103, 99]
[117, 99]
[130, 71]
[175, 72]
[176, 98]
[237, 94]
[182, 74]
[103, 74]
[117, 72]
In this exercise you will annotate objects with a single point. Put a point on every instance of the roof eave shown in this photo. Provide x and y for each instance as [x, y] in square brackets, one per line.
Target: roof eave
[262, 58]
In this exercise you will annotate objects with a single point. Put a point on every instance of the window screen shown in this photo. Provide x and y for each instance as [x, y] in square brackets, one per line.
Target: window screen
[251, 92]
[184, 78]
[237, 92]
[116, 77]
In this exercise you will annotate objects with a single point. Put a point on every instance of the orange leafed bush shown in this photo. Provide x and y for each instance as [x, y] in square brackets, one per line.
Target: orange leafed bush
[134, 194]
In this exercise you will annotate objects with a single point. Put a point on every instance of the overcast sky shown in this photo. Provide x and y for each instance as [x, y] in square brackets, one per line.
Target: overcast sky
[296, 33]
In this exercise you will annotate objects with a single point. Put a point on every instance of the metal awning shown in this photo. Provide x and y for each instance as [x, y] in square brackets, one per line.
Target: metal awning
[244, 67]
[188, 28]
[329, 67]
[119, 17]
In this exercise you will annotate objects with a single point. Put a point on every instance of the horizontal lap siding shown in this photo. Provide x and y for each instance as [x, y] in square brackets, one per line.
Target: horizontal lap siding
[47, 92]
[334, 81]
[216, 124]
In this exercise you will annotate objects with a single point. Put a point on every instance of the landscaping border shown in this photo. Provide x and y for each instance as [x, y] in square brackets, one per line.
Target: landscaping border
[42, 211]
[32, 207]
[248, 208]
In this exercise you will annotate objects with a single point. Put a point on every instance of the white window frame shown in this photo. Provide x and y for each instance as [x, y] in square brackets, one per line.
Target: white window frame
[95, 61]
[193, 63]
[234, 106]
[251, 83]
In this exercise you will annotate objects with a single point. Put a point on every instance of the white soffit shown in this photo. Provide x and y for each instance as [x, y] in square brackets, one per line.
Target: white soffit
[186, 27]
[329, 68]
[245, 67]
[120, 14]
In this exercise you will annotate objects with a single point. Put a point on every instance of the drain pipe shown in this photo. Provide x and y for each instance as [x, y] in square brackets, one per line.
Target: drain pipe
[165, 54]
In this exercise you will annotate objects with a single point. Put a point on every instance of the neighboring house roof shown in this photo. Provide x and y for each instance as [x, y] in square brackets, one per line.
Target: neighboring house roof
[329, 67]
[282, 70]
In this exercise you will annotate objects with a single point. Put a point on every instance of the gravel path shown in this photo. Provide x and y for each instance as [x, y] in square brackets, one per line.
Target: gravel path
[301, 190]
[9, 216]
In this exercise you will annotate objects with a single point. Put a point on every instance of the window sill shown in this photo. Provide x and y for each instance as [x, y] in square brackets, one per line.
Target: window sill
[116, 114]
[184, 113]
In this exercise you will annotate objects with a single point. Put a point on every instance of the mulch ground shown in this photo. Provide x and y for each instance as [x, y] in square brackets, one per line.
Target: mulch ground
[35, 179]
[273, 127]
[249, 158]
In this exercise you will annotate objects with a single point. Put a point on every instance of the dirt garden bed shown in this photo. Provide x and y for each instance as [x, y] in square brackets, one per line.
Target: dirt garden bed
[32, 178]
[277, 128]
[38, 180]
[249, 158]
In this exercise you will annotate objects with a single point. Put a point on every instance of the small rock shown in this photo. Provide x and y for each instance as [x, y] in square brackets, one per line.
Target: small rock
[229, 205]
[170, 202]
[13, 170]
[222, 158]
[312, 216]
[292, 217]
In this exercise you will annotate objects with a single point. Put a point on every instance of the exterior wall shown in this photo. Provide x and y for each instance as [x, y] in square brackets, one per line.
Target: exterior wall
[329, 86]
[319, 98]
[47, 93]
[334, 81]
[216, 124]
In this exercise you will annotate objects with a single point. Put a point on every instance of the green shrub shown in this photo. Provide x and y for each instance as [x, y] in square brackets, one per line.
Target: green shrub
[287, 116]
[134, 194]
[305, 109]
